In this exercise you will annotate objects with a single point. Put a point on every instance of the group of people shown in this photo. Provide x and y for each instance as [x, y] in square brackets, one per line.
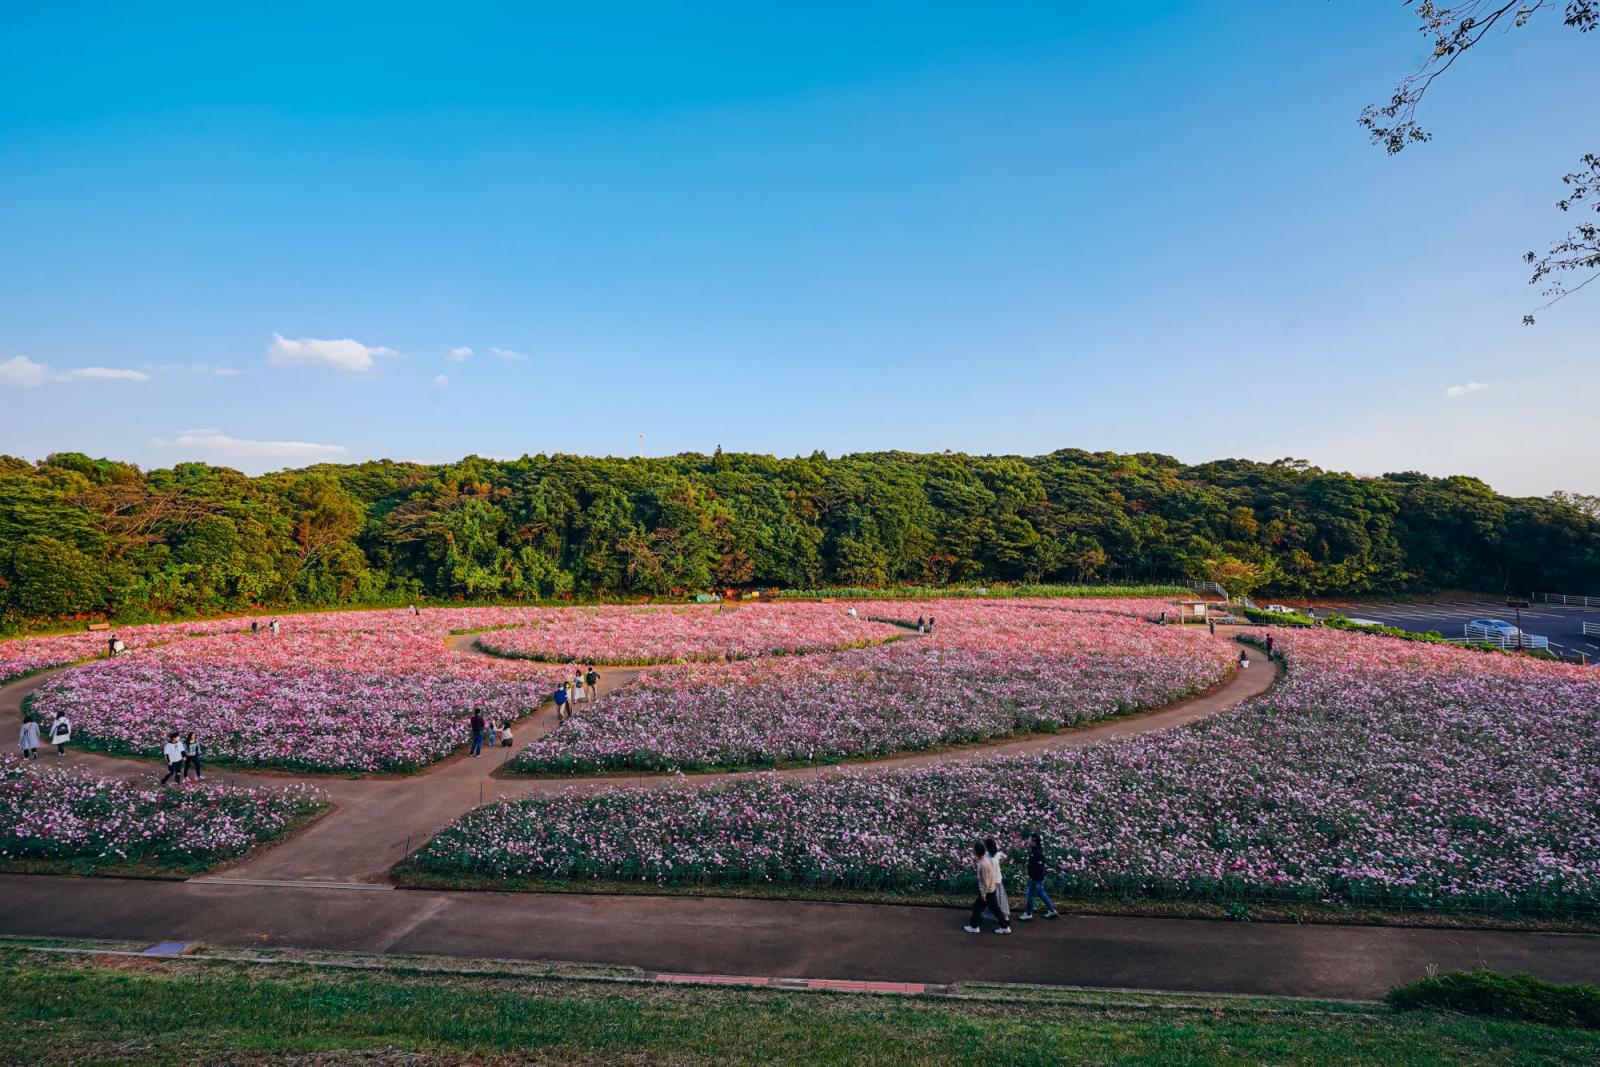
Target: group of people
[583, 685]
[272, 627]
[924, 626]
[183, 757]
[60, 733]
[992, 886]
[492, 733]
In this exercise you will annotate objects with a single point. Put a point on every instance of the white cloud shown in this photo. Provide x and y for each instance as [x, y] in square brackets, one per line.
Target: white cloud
[226, 372]
[215, 442]
[344, 354]
[1463, 390]
[104, 374]
[20, 371]
[459, 355]
[440, 382]
[506, 353]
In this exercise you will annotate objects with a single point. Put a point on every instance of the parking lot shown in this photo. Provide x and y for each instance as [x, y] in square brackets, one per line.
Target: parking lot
[1563, 626]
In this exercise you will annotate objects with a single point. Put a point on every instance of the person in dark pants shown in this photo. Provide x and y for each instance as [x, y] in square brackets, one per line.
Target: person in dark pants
[593, 678]
[1036, 883]
[1269, 648]
[173, 750]
[477, 733]
[988, 894]
[191, 757]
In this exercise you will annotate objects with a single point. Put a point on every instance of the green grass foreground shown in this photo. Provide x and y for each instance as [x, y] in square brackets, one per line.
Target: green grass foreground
[103, 1009]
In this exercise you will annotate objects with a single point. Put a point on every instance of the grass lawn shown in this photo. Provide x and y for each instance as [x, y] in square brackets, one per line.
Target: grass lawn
[103, 1009]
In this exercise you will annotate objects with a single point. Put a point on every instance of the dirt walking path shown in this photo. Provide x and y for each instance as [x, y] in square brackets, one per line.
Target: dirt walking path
[376, 821]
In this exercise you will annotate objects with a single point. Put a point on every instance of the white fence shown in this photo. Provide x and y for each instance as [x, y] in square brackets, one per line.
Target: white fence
[1482, 635]
[1591, 629]
[1566, 599]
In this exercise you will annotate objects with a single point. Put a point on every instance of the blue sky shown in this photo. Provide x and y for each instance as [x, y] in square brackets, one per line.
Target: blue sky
[837, 228]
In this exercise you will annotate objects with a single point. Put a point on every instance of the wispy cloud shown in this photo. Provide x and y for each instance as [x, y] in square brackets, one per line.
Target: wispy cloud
[441, 381]
[509, 354]
[459, 355]
[103, 374]
[1464, 390]
[343, 354]
[20, 372]
[217, 443]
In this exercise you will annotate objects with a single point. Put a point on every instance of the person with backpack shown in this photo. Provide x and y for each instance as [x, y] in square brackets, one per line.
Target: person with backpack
[60, 733]
[593, 678]
[173, 750]
[477, 724]
[1036, 883]
[191, 757]
[988, 894]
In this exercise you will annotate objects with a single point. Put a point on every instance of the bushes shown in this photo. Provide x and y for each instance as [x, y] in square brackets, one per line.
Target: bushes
[1505, 996]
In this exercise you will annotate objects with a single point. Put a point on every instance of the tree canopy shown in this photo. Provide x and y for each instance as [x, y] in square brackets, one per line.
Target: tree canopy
[85, 536]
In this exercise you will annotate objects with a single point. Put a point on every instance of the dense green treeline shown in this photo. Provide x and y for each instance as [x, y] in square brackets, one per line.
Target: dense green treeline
[81, 535]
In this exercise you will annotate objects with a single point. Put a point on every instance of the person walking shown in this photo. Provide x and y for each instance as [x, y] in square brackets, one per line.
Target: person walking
[593, 678]
[930, 624]
[173, 750]
[1211, 627]
[493, 734]
[477, 724]
[29, 740]
[987, 899]
[191, 757]
[273, 626]
[578, 689]
[922, 624]
[998, 858]
[1036, 883]
[1269, 648]
[560, 697]
[255, 626]
[60, 733]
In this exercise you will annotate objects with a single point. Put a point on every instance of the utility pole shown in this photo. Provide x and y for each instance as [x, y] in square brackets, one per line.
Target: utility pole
[641, 446]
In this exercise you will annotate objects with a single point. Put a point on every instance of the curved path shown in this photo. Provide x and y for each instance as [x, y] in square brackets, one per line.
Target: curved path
[298, 895]
[376, 821]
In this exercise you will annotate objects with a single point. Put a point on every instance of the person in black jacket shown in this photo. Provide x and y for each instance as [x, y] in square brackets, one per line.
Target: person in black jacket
[1036, 883]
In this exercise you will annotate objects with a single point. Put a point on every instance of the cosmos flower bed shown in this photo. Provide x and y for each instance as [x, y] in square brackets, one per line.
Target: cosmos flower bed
[638, 636]
[363, 691]
[993, 671]
[1377, 772]
[57, 814]
[25, 655]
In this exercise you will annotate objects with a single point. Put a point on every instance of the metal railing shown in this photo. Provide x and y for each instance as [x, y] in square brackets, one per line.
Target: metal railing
[1565, 599]
[1591, 629]
[1482, 635]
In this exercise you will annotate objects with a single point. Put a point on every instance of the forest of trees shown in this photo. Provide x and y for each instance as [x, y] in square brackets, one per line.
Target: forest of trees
[82, 536]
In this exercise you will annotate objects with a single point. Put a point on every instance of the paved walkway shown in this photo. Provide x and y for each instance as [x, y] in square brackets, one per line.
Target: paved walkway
[785, 939]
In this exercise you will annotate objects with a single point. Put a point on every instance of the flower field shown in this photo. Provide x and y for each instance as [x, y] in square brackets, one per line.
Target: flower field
[351, 692]
[993, 670]
[639, 636]
[1377, 772]
[57, 814]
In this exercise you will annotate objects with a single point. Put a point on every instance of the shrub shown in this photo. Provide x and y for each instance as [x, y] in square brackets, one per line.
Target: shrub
[1506, 996]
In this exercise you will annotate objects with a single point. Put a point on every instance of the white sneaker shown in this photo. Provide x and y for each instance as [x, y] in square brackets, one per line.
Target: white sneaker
[1002, 929]
[972, 929]
[1025, 917]
[1052, 915]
